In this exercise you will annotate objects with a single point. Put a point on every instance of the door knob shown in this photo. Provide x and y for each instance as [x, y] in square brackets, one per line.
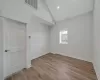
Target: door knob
[7, 50]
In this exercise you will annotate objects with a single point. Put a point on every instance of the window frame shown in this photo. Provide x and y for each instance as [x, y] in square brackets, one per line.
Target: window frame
[63, 33]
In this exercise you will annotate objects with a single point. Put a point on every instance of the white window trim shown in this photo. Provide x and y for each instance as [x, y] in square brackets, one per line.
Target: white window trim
[60, 36]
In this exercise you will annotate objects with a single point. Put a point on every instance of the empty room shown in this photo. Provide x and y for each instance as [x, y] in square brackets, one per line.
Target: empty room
[49, 39]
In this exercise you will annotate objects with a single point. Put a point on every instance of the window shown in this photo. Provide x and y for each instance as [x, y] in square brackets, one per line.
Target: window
[32, 3]
[63, 37]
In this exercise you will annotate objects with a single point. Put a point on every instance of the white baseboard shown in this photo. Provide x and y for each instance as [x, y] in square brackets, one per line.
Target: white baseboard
[28, 66]
[71, 56]
[97, 73]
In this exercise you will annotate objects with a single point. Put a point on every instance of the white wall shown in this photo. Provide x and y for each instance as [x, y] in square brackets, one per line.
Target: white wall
[38, 43]
[97, 37]
[1, 4]
[69, 8]
[0, 13]
[1, 49]
[79, 37]
[18, 10]
[1, 7]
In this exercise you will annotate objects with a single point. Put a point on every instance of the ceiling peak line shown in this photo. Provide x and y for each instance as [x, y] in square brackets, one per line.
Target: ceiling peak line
[46, 5]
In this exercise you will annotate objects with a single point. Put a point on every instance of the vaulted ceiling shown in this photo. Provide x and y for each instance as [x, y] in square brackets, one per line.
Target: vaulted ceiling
[62, 9]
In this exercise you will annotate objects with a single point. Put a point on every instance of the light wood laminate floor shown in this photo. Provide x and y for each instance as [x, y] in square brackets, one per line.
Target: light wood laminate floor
[56, 67]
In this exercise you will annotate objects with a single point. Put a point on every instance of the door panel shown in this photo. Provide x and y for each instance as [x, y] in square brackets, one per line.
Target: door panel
[14, 43]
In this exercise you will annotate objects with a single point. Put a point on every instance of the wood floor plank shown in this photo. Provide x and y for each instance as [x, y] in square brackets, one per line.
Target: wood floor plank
[57, 67]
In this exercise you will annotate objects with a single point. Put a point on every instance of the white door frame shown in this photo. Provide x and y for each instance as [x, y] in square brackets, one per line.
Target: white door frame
[25, 40]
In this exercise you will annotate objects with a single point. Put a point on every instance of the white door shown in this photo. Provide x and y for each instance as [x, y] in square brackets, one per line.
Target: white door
[14, 46]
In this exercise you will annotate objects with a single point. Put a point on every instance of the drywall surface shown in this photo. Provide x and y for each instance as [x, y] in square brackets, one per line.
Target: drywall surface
[97, 37]
[63, 9]
[0, 13]
[1, 6]
[38, 42]
[19, 10]
[79, 37]
[1, 49]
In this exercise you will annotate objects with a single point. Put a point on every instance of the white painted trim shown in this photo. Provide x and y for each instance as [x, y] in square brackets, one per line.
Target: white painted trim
[2, 47]
[97, 73]
[25, 41]
[70, 56]
[28, 63]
